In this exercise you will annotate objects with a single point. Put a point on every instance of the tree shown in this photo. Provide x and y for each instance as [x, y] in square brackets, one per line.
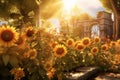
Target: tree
[107, 5]
[3, 9]
[113, 6]
[25, 10]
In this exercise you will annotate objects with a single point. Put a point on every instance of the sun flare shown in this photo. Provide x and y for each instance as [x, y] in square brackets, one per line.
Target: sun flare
[69, 4]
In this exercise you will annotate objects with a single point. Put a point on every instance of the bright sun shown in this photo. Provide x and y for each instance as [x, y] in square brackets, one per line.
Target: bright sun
[69, 4]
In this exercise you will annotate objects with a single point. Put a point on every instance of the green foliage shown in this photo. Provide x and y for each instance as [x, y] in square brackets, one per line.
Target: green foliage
[37, 59]
[13, 61]
[20, 11]
[106, 4]
[6, 59]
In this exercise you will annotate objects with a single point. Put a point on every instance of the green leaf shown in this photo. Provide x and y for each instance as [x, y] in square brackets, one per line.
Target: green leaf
[31, 14]
[34, 77]
[5, 59]
[13, 61]
[33, 44]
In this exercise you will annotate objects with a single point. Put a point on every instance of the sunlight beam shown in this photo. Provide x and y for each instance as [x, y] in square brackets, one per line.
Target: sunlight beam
[69, 4]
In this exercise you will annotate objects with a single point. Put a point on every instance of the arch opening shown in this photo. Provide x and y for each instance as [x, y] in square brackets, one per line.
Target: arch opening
[95, 31]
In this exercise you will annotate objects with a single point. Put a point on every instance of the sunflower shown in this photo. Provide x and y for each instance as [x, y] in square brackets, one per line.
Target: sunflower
[90, 54]
[29, 32]
[117, 47]
[18, 73]
[50, 73]
[32, 54]
[86, 41]
[97, 40]
[26, 55]
[39, 32]
[21, 41]
[104, 47]
[8, 36]
[53, 44]
[80, 47]
[94, 50]
[60, 51]
[48, 65]
[118, 41]
[113, 43]
[117, 58]
[70, 42]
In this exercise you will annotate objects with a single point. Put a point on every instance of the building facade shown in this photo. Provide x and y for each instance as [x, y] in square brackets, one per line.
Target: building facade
[102, 26]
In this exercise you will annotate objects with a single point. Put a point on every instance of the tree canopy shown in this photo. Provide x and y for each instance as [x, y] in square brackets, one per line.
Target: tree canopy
[19, 9]
[114, 6]
[106, 4]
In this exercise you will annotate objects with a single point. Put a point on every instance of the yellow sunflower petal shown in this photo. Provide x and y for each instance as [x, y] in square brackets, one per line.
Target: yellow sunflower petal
[70, 42]
[60, 51]
[86, 41]
[29, 32]
[94, 50]
[8, 36]
[97, 39]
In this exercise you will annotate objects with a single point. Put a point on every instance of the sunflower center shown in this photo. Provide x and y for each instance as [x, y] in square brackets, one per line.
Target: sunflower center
[60, 51]
[20, 41]
[113, 44]
[85, 42]
[119, 42]
[7, 35]
[96, 40]
[30, 33]
[54, 44]
[32, 53]
[70, 42]
[80, 47]
[94, 50]
[104, 48]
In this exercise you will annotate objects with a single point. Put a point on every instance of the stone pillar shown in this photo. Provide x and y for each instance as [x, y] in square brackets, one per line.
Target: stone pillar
[105, 21]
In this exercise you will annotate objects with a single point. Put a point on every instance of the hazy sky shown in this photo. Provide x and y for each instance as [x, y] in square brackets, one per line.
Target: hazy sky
[90, 6]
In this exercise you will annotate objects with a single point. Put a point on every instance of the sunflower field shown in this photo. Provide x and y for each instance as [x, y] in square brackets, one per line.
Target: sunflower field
[33, 53]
